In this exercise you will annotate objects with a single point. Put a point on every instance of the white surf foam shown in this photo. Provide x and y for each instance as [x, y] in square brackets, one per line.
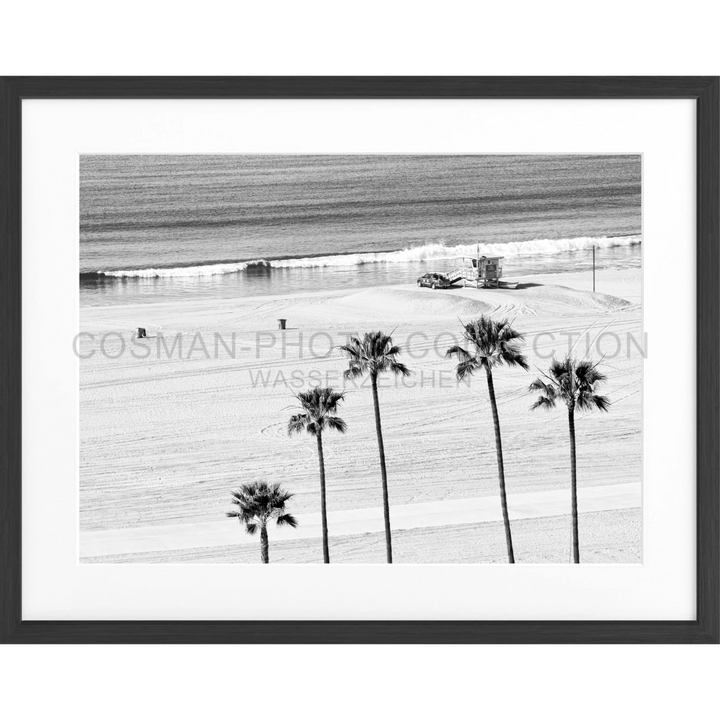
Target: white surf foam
[419, 254]
[191, 271]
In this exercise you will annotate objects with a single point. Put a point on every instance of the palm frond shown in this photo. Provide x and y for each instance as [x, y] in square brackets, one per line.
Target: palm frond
[544, 401]
[398, 368]
[548, 394]
[459, 352]
[287, 519]
[336, 423]
[602, 402]
[298, 423]
[507, 333]
[514, 358]
[354, 370]
[560, 368]
[466, 368]
[587, 400]
[538, 385]
[241, 497]
[588, 374]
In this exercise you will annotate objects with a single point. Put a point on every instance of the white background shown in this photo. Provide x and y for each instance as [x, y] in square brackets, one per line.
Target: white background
[56, 132]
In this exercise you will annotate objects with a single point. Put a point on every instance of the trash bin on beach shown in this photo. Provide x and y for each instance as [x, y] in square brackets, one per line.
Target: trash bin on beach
[141, 333]
[281, 323]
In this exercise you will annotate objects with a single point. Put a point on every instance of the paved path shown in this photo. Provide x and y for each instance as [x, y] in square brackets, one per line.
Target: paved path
[354, 522]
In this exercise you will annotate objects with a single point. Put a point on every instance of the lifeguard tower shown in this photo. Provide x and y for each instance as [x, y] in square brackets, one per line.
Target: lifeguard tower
[482, 271]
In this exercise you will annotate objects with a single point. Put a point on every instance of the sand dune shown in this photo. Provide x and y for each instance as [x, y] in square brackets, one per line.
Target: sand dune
[411, 301]
[164, 440]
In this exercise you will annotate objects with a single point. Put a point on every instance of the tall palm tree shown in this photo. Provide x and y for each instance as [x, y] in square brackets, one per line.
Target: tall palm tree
[257, 504]
[374, 354]
[320, 407]
[492, 343]
[573, 382]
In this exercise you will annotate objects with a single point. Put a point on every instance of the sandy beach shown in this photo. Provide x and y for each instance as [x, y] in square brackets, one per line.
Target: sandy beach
[166, 437]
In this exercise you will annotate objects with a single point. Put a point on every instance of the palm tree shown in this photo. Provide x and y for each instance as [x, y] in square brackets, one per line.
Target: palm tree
[257, 504]
[492, 343]
[320, 406]
[574, 382]
[375, 354]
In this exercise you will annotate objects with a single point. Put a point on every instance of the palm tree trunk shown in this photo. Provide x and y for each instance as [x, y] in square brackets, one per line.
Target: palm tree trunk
[264, 544]
[573, 485]
[501, 467]
[323, 505]
[383, 471]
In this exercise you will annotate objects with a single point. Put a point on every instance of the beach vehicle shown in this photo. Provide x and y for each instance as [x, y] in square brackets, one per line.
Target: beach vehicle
[434, 280]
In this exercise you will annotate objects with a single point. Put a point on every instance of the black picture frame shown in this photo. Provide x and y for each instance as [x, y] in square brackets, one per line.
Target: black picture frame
[705, 91]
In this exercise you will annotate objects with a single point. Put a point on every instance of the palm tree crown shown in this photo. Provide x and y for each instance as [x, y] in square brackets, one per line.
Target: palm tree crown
[573, 382]
[320, 406]
[373, 354]
[493, 343]
[260, 502]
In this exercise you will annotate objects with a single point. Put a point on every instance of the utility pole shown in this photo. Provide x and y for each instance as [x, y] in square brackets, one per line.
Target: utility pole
[593, 268]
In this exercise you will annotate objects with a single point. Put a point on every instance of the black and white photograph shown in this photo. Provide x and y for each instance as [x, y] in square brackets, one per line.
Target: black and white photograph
[423, 344]
[360, 359]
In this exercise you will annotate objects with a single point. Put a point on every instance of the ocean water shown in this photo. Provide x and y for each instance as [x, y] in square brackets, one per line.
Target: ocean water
[174, 227]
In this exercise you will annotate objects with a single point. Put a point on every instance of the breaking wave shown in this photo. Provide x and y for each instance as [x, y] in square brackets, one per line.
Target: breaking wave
[190, 271]
[423, 253]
